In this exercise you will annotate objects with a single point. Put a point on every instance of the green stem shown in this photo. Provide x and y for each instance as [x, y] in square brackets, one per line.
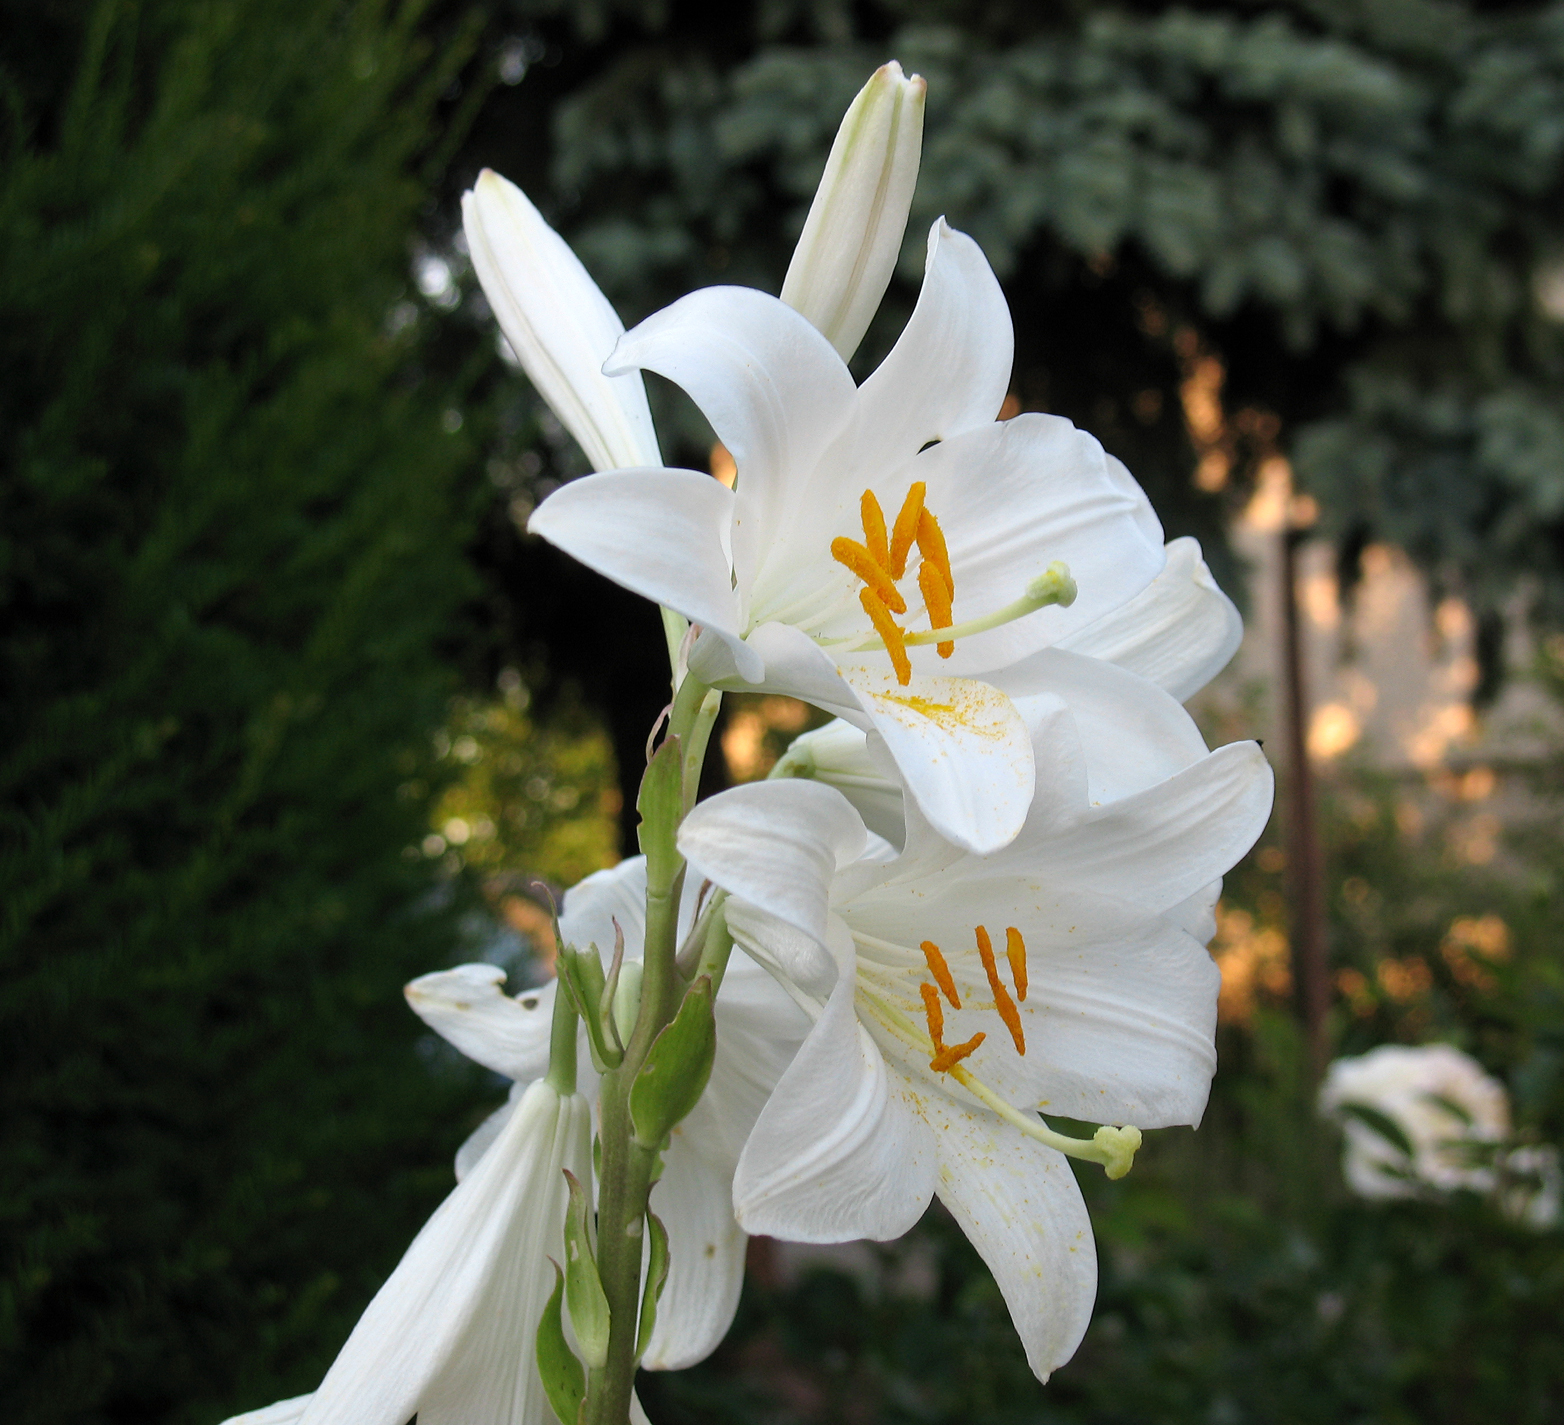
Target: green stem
[625, 1182]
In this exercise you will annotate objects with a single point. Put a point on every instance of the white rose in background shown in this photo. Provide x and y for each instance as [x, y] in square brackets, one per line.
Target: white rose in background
[955, 995]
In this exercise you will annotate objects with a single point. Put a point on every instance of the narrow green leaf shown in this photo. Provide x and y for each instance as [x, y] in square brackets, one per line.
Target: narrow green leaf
[676, 1069]
[584, 1294]
[656, 1279]
[660, 803]
[564, 1381]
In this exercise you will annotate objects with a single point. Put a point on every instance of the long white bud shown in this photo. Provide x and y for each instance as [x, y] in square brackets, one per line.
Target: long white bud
[559, 324]
[853, 234]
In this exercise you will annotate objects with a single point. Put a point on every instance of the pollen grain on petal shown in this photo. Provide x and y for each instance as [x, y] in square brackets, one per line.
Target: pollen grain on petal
[947, 1059]
[886, 627]
[1002, 1001]
[874, 536]
[936, 599]
[931, 545]
[935, 1015]
[941, 972]
[861, 562]
[906, 530]
[1015, 952]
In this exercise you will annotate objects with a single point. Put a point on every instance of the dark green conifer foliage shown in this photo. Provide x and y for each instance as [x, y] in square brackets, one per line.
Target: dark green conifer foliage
[231, 536]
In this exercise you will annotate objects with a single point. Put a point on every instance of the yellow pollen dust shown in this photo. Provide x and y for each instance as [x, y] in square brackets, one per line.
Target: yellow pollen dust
[882, 559]
[947, 1057]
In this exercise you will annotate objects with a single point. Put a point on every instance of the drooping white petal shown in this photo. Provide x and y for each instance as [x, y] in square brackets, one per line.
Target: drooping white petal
[558, 323]
[950, 370]
[795, 957]
[467, 1008]
[1133, 734]
[484, 1136]
[446, 1336]
[840, 755]
[853, 233]
[659, 533]
[962, 747]
[1019, 1205]
[837, 1154]
[1179, 632]
[777, 845]
[694, 1199]
[1012, 497]
[773, 388]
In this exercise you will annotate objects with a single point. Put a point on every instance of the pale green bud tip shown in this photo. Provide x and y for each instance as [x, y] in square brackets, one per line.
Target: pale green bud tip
[1119, 1146]
[853, 234]
[1053, 586]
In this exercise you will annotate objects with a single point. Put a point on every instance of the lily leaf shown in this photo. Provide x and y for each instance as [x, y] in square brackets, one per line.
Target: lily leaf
[676, 1069]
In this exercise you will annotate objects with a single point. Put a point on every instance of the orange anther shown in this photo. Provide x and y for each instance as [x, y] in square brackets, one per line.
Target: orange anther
[936, 1015]
[861, 562]
[874, 530]
[947, 1059]
[906, 529]
[886, 627]
[931, 545]
[1015, 951]
[1002, 1001]
[937, 600]
[941, 972]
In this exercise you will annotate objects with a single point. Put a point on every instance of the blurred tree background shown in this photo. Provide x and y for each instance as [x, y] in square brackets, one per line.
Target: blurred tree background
[294, 712]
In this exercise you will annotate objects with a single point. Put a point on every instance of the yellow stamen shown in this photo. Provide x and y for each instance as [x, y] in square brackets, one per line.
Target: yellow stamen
[886, 627]
[936, 1015]
[931, 545]
[937, 601]
[1015, 949]
[1002, 1001]
[947, 1059]
[861, 562]
[941, 972]
[874, 530]
[906, 529]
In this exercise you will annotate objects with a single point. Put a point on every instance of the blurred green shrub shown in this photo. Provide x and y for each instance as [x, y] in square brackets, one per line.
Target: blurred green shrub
[233, 509]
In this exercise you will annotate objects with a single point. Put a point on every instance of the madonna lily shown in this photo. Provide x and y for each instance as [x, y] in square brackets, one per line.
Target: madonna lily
[886, 547]
[758, 1030]
[956, 996]
[448, 1337]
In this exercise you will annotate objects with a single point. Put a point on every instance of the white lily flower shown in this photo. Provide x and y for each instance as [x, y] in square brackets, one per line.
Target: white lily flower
[1452, 1114]
[852, 236]
[758, 1030]
[994, 541]
[449, 1335]
[955, 995]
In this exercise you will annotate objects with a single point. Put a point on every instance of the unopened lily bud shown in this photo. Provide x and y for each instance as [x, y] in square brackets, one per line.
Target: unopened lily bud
[853, 234]
[559, 324]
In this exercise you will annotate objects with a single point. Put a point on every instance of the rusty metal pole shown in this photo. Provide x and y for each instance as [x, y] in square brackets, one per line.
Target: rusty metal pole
[1305, 856]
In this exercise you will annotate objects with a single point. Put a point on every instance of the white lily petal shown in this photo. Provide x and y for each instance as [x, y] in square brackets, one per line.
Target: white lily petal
[593, 907]
[777, 845]
[561, 327]
[1132, 733]
[659, 533]
[852, 236]
[483, 1137]
[441, 1336]
[1012, 497]
[773, 388]
[694, 1199]
[1019, 1205]
[840, 755]
[950, 370]
[1179, 632]
[284, 1412]
[962, 747]
[783, 949]
[1158, 847]
[836, 1154]
[467, 1008]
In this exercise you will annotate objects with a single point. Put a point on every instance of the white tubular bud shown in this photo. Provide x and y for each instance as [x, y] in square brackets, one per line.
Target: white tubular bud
[559, 324]
[853, 234]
